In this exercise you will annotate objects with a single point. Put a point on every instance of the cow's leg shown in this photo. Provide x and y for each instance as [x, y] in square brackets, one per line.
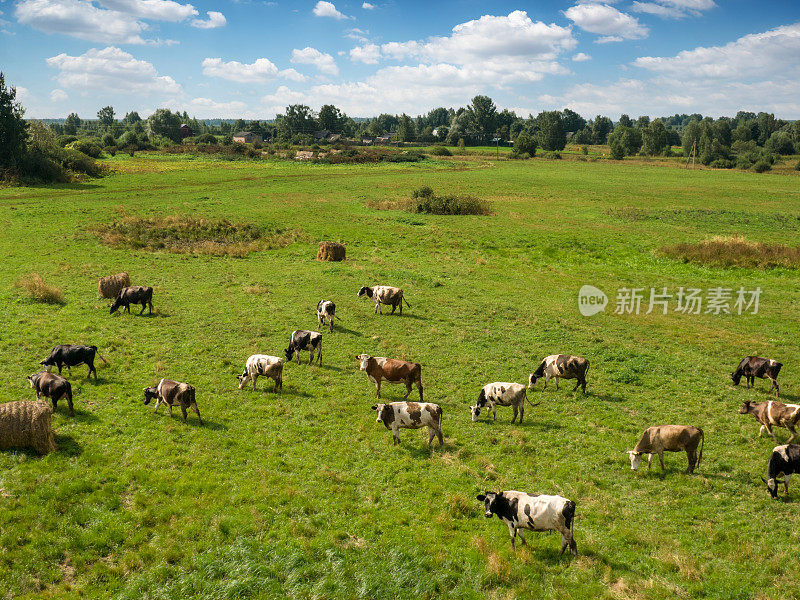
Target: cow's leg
[158, 403]
[409, 387]
[512, 531]
[69, 403]
[150, 304]
[170, 409]
[439, 434]
[514, 418]
[786, 483]
[92, 370]
[692, 456]
[760, 431]
[661, 460]
[378, 386]
[197, 410]
[37, 394]
[395, 434]
[556, 383]
[144, 305]
[431, 435]
[772, 433]
[55, 403]
[583, 385]
[319, 354]
[546, 380]
[774, 386]
[564, 540]
[649, 461]
[792, 430]
[183, 412]
[419, 387]
[254, 378]
[311, 355]
[521, 412]
[521, 539]
[494, 412]
[394, 307]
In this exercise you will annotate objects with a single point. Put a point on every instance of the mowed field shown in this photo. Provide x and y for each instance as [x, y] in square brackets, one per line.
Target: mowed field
[301, 494]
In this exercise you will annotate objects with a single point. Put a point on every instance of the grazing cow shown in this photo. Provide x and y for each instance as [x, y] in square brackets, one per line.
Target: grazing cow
[411, 415]
[755, 366]
[69, 355]
[384, 294]
[261, 364]
[380, 368]
[326, 310]
[173, 393]
[772, 413]
[669, 438]
[784, 460]
[305, 340]
[52, 386]
[561, 366]
[501, 393]
[519, 510]
[135, 294]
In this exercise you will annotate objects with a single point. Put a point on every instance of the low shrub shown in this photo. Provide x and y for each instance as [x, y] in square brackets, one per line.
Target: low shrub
[88, 147]
[517, 155]
[63, 140]
[584, 150]
[39, 291]
[797, 166]
[551, 155]
[761, 166]
[721, 163]
[79, 162]
[424, 200]
[441, 151]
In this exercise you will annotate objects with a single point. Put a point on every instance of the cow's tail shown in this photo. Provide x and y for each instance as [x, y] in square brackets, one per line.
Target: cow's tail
[569, 514]
[529, 400]
[702, 443]
[403, 299]
[69, 393]
[100, 356]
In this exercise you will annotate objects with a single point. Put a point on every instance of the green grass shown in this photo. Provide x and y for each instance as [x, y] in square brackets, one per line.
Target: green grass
[301, 494]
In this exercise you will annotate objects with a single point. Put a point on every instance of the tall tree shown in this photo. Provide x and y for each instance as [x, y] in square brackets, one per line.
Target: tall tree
[13, 130]
[691, 138]
[482, 116]
[654, 138]
[131, 118]
[572, 121]
[331, 118]
[625, 121]
[601, 127]
[164, 123]
[106, 116]
[72, 123]
[551, 130]
[406, 130]
[298, 118]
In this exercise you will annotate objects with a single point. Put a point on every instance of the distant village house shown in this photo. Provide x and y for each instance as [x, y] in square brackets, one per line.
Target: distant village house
[247, 137]
[186, 131]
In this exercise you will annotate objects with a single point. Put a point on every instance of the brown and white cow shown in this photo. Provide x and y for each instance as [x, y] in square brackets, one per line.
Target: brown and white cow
[411, 415]
[52, 386]
[173, 393]
[773, 413]
[751, 367]
[384, 294]
[501, 393]
[265, 366]
[561, 366]
[391, 370]
[668, 438]
[536, 512]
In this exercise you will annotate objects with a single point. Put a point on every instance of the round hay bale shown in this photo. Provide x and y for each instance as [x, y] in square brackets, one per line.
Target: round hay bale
[331, 251]
[110, 286]
[26, 424]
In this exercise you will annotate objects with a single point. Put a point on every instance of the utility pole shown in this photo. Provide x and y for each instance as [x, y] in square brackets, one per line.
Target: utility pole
[497, 141]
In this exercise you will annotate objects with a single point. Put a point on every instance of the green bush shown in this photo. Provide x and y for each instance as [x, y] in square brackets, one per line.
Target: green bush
[617, 149]
[797, 166]
[517, 155]
[402, 157]
[721, 163]
[107, 140]
[441, 151]
[37, 166]
[426, 201]
[525, 144]
[87, 146]
[227, 140]
[585, 150]
[110, 150]
[63, 140]
[79, 162]
[762, 166]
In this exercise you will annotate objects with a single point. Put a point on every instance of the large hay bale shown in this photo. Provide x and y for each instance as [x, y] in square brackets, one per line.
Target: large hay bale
[26, 424]
[330, 251]
[110, 286]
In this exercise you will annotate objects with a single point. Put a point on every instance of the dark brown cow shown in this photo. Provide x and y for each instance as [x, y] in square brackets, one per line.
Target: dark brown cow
[754, 366]
[380, 368]
[173, 393]
[135, 294]
[773, 413]
[52, 386]
[669, 438]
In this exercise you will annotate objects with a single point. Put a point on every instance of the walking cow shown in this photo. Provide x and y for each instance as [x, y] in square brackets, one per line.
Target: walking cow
[380, 368]
[668, 438]
[501, 393]
[326, 310]
[411, 415]
[561, 366]
[262, 365]
[773, 413]
[305, 340]
[136, 294]
[173, 393]
[69, 355]
[384, 294]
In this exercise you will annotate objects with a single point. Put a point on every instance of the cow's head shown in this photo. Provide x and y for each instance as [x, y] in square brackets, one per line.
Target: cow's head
[636, 458]
[117, 304]
[532, 378]
[47, 362]
[746, 407]
[32, 380]
[736, 376]
[364, 290]
[364, 360]
[289, 352]
[772, 486]
[149, 394]
[489, 500]
[476, 412]
[384, 414]
[242, 379]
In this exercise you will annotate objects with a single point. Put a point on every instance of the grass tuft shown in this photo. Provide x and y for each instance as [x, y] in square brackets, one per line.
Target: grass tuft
[189, 235]
[39, 291]
[424, 200]
[735, 251]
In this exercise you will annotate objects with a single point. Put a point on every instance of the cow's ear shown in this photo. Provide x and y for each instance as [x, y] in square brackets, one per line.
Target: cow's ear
[375, 408]
[480, 498]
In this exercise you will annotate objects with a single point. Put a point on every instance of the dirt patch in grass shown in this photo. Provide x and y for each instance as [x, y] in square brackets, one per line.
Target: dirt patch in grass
[735, 252]
[39, 291]
[189, 235]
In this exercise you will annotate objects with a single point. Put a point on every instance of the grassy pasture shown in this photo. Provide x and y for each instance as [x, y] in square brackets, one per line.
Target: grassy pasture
[301, 494]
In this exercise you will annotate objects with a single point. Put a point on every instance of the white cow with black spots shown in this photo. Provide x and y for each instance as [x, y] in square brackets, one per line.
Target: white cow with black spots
[262, 365]
[326, 310]
[501, 393]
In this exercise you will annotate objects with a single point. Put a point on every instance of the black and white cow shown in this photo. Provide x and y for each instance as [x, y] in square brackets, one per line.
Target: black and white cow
[305, 340]
[69, 355]
[326, 310]
[519, 510]
[52, 386]
[135, 294]
[561, 366]
[262, 365]
[384, 294]
[751, 367]
[784, 460]
[501, 393]
[411, 415]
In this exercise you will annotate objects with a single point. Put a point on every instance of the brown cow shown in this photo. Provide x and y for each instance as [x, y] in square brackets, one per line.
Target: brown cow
[171, 393]
[754, 366]
[669, 438]
[52, 386]
[772, 413]
[379, 368]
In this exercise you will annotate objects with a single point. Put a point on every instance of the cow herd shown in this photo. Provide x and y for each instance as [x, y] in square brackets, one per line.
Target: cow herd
[518, 510]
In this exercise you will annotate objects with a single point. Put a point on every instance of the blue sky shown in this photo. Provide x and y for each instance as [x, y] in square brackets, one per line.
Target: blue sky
[251, 58]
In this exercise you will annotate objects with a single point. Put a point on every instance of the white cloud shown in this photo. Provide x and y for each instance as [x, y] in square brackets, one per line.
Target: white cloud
[58, 95]
[292, 75]
[215, 19]
[160, 10]
[80, 19]
[771, 53]
[357, 34]
[328, 9]
[111, 70]
[367, 6]
[311, 56]
[607, 21]
[674, 9]
[368, 53]
[581, 57]
[259, 71]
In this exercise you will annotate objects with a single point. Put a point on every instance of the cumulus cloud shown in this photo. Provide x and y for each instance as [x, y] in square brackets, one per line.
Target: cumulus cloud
[215, 19]
[368, 53]
[58, 95]
[674, 9]
[581, 57]
[160, 10]
[259, 71]
[80, 19]
[367, 6]
[311, 56]
[606, 21]
[328, 9]
[111, 69]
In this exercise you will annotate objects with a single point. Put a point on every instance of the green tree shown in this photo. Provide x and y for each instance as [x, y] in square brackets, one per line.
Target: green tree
[572, 121]
[298, 118]
[617, 147]
[331, 118]
[551, 134]
[374, 128]
[131, 118]
[525, 144]
[13, 130]
[601, 127]
[72, 123]
[691, 137]
[625, 121]
[164, 123]
[106, 116]
[482, 117]
[654, 138]
[628, 138]
[406, 130]
[643, 122]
